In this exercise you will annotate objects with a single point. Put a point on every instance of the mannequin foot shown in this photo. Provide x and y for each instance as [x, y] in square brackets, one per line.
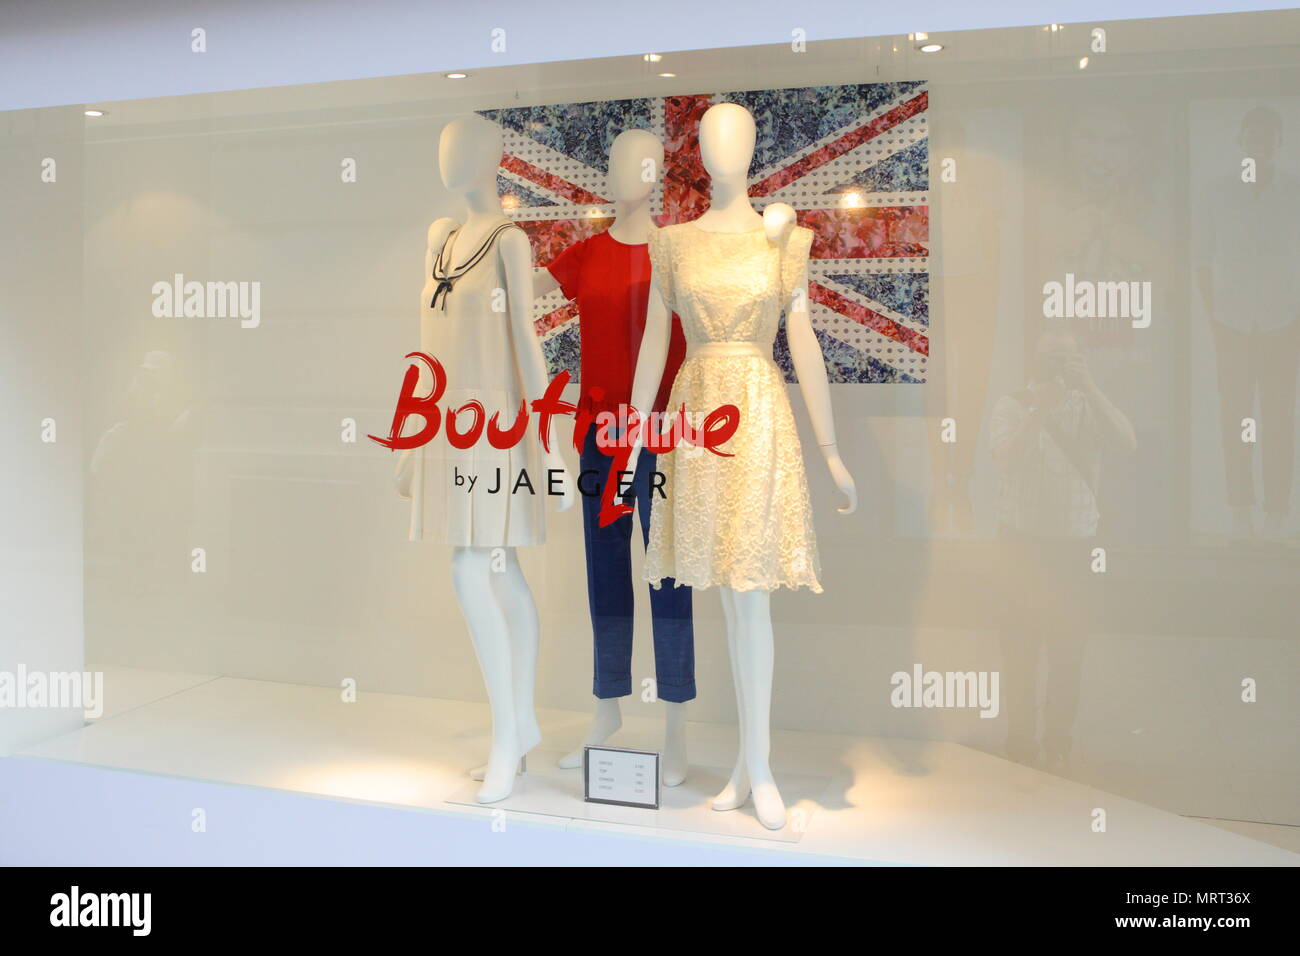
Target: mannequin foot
[478, 773]
[675, 764]
[573, 759]
[768, 805]
[734, 795]
[529, 737]
[608, 720]
[499, 778]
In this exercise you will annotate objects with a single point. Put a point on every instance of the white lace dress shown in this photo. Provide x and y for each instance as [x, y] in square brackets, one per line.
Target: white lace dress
[742, 522]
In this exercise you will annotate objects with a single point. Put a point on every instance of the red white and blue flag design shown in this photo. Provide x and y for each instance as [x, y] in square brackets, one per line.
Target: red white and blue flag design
[852, 160]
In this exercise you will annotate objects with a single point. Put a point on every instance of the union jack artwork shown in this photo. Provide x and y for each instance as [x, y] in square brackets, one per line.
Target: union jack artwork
[852, 160]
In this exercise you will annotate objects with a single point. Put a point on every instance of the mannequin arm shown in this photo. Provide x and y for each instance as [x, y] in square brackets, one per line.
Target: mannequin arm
[810, 367]
[650, 362]
[437, 235]
[809, 363]
[517, 260]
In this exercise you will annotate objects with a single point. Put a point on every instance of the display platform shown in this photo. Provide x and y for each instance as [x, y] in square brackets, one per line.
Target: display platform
[548, 790]
[885, 800]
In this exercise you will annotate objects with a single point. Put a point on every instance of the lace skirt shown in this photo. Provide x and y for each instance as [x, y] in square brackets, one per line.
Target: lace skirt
[743, 522]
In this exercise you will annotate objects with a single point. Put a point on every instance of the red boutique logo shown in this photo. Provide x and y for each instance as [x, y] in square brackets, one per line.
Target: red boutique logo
[715, 430]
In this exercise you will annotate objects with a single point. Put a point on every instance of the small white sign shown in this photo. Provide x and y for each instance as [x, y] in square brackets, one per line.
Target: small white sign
[625, 778]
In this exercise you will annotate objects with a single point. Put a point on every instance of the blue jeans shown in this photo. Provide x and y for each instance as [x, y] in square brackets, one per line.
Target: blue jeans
[609, 590]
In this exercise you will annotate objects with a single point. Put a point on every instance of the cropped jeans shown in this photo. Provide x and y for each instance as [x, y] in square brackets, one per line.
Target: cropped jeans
[610, 590]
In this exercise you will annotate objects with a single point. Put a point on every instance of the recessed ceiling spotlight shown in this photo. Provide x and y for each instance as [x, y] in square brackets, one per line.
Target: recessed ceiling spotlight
[1083, 63]
[455, 76]
[920, 36]
[652, 57]
[96, 112]
[667, 76]
[930, 47]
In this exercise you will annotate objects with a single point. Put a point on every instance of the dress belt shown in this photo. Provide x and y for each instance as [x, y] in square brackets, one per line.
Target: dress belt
[727, 350]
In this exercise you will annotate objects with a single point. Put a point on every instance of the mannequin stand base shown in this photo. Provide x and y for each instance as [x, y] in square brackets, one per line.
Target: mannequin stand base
[549, 791]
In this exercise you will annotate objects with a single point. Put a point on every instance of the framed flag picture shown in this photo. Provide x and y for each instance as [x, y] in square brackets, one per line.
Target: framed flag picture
[852, 160]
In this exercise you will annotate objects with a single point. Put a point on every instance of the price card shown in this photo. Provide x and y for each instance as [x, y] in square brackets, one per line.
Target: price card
[625, 778]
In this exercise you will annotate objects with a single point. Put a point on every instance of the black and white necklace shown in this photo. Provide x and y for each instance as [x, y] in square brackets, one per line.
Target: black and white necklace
[447, 279]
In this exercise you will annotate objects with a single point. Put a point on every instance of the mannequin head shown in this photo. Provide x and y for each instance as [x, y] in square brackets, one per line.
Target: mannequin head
[631, 154]
[727, 135]
[469, 152]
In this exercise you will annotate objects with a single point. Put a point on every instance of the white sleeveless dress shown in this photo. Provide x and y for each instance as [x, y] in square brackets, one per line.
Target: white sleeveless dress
[476, 348]
[743, 522]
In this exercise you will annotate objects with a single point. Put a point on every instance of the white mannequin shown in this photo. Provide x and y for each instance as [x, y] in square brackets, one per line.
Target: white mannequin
[631, 155]
[496, 602]
[727, 136]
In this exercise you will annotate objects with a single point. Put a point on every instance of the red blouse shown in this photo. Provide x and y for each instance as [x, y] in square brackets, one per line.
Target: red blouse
[610, 282]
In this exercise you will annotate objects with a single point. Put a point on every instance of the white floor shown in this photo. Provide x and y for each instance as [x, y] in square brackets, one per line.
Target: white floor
[1286, 837]
[878, 800]
[128, 687]
[550, 791]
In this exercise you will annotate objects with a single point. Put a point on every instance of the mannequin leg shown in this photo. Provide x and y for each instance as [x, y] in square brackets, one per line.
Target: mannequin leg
[471, 570]
[516, 601]
[675, 762]
[522, 627]
[608, 553]
[736, 792]
[673, 627]
[606, 722]
[755, 653]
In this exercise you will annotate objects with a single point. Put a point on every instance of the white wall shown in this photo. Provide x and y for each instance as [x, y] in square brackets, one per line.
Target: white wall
[40, 368]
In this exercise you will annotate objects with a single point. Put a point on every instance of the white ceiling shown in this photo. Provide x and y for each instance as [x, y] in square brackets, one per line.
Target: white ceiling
[1222, 43]
[58, 52]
